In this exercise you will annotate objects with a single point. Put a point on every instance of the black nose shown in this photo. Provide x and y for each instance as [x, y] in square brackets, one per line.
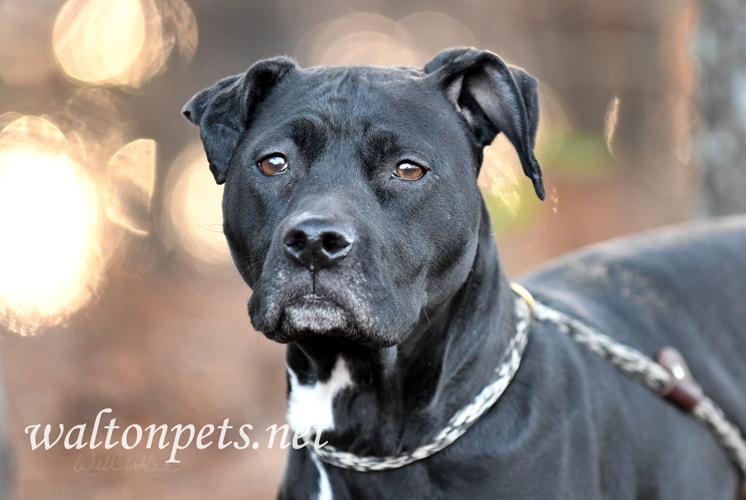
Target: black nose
[317, 241]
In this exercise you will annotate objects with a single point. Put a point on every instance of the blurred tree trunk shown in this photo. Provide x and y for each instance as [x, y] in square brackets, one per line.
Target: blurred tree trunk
[721, 138]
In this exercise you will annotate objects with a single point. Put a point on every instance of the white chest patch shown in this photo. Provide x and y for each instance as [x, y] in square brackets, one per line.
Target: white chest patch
[325, 487]
[310, 406]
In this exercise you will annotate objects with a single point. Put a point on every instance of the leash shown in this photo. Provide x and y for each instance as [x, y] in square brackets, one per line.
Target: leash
[669, 377]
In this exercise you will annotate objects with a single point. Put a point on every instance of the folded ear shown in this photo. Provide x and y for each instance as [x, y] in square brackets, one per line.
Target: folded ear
[492, 97]
[224, 110]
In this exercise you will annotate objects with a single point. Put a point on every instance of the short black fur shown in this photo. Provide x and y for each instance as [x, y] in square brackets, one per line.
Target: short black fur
[420, 310]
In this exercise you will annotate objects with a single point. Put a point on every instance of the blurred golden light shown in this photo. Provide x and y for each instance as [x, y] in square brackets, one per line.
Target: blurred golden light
[369, 47]
[360, 38]
[685, 116]
[554, 198]
[99, 41]
[8, 117]
[178, 15]
[25, 57]
[131, 178]
[498, 177]
[122, 42]
[368, 38]
[50, 261]
[194, 211]
[610, 122]
[93, 126]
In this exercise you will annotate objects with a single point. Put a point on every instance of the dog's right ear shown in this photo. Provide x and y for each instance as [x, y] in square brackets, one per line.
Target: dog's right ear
[224, 110]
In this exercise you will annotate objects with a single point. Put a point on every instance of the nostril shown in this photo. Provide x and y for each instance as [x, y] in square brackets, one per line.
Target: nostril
[335, 244]
[295, 241]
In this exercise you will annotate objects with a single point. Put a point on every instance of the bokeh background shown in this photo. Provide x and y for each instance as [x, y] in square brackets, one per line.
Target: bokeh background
[116, 287]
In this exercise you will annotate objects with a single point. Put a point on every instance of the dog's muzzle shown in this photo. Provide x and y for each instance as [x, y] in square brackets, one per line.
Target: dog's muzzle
[314, 242]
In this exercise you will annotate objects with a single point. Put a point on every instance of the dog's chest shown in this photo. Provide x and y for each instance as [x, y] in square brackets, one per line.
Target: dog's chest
[310, 406]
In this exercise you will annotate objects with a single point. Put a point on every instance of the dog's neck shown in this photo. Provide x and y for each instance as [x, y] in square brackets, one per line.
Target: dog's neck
[382, 401]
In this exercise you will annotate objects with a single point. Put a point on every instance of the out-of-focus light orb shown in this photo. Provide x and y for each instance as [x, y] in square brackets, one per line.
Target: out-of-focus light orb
[180, 17]
[194, 211]
[99, 41]
[50, 259]
[369, 47]
[121, 42]
[131, 177]
[370, 38]
[359, 38]
[499, 178]
[7, 118]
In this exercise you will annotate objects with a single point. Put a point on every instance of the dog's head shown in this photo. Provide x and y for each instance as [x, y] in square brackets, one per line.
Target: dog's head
[351, 204]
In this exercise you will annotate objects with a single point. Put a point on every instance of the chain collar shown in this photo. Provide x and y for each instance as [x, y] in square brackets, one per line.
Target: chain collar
[462, 420]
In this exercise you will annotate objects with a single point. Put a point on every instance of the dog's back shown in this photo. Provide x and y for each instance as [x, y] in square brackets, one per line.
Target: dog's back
[683, 287]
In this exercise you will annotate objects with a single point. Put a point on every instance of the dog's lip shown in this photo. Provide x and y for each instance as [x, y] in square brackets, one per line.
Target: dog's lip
[313, 299]
[311, 314]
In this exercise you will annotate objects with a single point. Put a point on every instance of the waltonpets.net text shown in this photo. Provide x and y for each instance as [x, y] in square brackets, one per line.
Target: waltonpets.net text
[177, 437]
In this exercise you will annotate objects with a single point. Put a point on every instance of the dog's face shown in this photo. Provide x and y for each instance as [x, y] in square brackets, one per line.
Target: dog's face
[351, 204]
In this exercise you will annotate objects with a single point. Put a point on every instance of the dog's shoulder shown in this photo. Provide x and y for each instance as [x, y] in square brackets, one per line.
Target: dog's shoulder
[682, 286]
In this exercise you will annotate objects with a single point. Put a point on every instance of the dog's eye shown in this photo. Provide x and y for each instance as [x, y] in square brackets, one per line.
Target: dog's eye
[273, 164]
[409, 171]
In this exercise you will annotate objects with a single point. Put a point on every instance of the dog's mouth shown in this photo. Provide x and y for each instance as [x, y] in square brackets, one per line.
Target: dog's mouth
[337, 314]
[348, 301]
[314, 314]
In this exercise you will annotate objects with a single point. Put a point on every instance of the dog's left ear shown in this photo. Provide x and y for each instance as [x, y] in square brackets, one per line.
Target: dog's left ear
[224, 111]
[492, 97]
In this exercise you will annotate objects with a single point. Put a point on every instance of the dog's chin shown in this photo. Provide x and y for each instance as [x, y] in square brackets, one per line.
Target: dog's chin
[314, 316]
[311, 316]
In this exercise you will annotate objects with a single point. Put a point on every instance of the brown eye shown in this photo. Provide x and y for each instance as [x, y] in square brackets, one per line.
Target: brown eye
[273, 164]
[409, 171]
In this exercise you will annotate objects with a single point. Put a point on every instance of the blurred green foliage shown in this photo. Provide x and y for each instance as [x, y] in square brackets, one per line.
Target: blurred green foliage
[575, 153]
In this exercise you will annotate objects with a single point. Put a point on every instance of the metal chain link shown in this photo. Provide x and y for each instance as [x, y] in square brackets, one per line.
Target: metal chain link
[459, 423]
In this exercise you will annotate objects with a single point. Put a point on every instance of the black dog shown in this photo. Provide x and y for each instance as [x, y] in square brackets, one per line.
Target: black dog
[352, 210]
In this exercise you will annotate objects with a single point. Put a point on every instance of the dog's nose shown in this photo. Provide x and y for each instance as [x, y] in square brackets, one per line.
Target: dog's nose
[317, 241]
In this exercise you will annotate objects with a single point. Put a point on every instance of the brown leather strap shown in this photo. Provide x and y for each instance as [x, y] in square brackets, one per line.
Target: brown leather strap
[684, 391]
